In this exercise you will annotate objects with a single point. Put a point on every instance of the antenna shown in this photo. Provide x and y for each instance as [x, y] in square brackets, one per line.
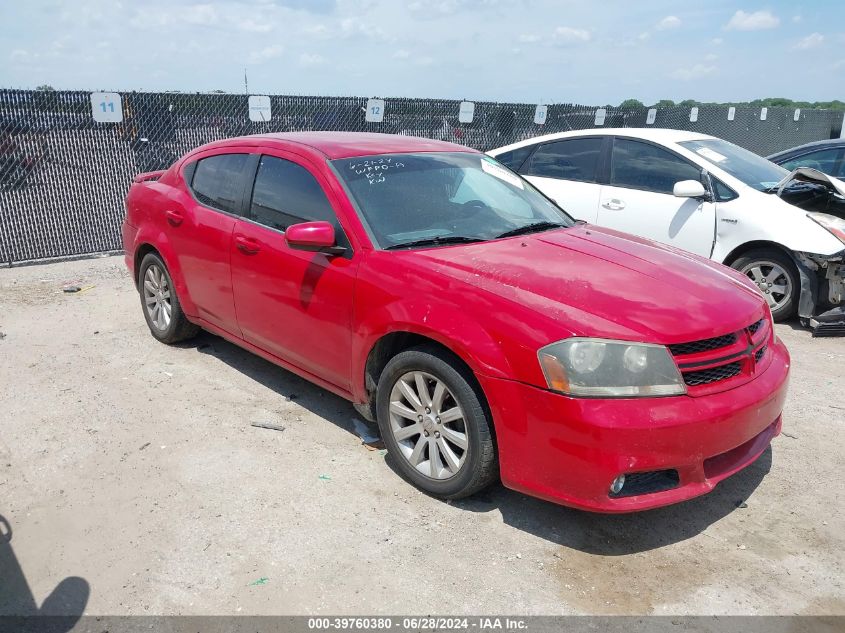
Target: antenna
[246, 83]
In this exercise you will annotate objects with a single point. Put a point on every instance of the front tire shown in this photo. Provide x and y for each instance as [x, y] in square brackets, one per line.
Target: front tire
[776, 275]
[159, 302]
[435, 424]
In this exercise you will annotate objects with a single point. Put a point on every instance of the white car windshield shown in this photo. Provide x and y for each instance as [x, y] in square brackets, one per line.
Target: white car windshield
[753, 170]
[440, 198]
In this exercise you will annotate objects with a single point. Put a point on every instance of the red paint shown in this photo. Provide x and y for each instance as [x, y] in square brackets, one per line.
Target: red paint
[494, 304]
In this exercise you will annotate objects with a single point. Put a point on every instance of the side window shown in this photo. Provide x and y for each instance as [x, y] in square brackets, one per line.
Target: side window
[722, 192]
[513, 159]
[218, 181]
[286, 193]
[643, 166]
[825, 161]
[572, 159]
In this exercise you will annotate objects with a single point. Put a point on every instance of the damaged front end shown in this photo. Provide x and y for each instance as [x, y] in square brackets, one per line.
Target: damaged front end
[821, 305]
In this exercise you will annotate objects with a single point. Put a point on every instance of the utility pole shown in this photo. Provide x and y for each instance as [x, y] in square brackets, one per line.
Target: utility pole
[246, 83]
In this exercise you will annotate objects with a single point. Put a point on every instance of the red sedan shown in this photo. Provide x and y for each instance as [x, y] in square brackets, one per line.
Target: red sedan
[488, 333]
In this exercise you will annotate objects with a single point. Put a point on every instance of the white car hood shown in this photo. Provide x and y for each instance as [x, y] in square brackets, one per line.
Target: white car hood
[808, 174]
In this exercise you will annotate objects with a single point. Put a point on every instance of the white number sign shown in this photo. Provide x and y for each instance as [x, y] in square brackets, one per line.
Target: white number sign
[540, 114]
[107, 107]
[259, 108]
[601, 113]
[651, 117]
[764, 112]
[466, 112]
[731, 113]
[375, 110]
[693, 114]
[797, 115]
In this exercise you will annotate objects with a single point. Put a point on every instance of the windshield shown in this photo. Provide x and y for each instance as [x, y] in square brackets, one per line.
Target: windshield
[432, 199]
[753, 170]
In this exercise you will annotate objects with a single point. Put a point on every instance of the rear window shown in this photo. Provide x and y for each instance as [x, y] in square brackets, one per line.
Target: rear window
[513, 159]
[572, 159]
[218, 181]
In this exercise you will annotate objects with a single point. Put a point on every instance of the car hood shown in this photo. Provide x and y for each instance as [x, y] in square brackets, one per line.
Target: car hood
[594, 281]
[812, 190]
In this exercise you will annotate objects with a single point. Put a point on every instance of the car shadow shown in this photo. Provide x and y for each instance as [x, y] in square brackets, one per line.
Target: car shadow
[603, 534]
[64, 606]
[622, 534]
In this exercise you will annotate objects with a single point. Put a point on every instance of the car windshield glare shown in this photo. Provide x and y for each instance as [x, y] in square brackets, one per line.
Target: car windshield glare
[440, 198]
[747, 167]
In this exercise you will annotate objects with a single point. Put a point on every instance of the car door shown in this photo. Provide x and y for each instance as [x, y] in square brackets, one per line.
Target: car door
[639, 198]
[201, 233]
[828, 161]
[567, 172]
[294, 304]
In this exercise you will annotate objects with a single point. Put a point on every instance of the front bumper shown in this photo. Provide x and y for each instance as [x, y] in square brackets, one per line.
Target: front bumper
[569, 450]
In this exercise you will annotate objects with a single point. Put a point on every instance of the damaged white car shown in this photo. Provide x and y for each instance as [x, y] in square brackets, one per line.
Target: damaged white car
[785, 230]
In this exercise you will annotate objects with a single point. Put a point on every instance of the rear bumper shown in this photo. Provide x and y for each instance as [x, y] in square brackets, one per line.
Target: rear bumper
[569, 450]
[128, 234]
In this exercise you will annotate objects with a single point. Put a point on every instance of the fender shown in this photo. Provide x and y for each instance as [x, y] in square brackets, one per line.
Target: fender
[451, 327]
[149, 236]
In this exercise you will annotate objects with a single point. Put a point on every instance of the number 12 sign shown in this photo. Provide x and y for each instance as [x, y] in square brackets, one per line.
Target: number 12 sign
[106, 107]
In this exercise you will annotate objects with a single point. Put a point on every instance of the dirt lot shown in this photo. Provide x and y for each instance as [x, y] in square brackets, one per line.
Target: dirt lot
[134, 466]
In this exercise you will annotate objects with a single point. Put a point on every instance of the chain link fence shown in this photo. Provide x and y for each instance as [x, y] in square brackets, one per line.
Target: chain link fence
[63, 175]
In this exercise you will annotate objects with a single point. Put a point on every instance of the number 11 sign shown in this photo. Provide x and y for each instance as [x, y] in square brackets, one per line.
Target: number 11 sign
[106, 107]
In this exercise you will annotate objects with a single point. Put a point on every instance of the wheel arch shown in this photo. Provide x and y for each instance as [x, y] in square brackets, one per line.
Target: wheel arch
[158, 244]
[745, 247]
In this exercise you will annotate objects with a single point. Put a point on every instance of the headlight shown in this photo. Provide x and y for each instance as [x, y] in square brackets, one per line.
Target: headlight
[831, 223]
[610, 369]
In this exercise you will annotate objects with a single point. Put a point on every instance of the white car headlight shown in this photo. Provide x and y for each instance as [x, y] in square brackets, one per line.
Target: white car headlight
[601, 368]
[832, 223]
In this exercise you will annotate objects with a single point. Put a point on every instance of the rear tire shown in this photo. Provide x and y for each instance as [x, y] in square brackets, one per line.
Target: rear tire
[159, 303]
[776, 275]
[450, 457]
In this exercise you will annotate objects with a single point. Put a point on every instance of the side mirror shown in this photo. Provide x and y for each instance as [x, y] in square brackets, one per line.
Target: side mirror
[689, 189]
[316, 237]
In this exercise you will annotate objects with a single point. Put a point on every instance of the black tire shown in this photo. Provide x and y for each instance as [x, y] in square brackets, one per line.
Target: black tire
[179, 328]
[764, 256]
[480, 467]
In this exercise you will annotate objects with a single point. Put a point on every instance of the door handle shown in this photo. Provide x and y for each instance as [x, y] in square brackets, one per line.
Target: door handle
[173, 217]
[614, 205]
[247, 245]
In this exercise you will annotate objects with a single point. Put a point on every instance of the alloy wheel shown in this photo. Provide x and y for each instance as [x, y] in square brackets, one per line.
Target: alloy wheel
[428, 425]
[772, 280]
[157, 297]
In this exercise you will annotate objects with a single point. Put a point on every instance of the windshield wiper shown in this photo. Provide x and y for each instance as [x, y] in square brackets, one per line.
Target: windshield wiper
[531, 228]
[435, 241]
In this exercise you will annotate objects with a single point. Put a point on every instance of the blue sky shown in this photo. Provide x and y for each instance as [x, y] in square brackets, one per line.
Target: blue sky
[517, 50]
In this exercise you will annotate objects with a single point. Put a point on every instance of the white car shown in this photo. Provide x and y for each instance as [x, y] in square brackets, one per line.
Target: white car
[785, 230]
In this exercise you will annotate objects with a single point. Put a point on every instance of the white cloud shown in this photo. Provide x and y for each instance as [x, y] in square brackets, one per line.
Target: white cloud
[717, 41]
[711, 57]
[569, 35]
[797, 18]
[251, 26]
[353, 27]
[308, 59]
[644, 36]
[19, 55]
[529, 38]
[669, 22]
[693, 72]
[266, 53]
[757, 21]
[813, 40]
[401, 54]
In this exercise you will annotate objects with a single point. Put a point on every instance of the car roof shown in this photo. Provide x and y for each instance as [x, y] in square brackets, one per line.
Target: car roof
[801, 149]
[334, 145]
[657, 135]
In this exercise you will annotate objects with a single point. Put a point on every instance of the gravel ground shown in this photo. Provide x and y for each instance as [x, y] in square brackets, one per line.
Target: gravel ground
[134, 466]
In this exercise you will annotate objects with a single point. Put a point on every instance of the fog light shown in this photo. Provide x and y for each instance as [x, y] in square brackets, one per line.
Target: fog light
[616, 486]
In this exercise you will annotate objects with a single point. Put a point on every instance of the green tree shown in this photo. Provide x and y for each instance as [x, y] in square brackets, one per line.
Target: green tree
[631, 104]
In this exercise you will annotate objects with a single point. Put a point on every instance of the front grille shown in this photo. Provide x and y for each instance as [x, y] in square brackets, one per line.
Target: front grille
[648, 483]
[705, 345]
[752, 329]
[713, 374]
[759, 354]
